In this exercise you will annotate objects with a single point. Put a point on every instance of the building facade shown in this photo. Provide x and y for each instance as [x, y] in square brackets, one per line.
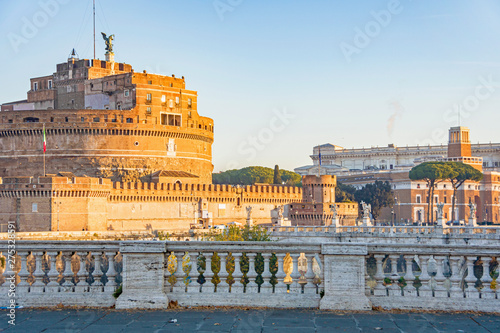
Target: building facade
[358, 167]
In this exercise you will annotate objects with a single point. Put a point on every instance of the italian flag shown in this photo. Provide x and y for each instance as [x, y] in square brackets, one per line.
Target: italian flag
[44, 140]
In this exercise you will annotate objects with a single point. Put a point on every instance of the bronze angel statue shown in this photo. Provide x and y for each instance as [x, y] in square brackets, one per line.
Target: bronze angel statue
[108, 41]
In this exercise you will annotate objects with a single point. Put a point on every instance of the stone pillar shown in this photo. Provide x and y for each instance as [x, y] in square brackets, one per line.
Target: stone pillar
[344, 272]
[143, 276]
[367, 222]
[473, 221]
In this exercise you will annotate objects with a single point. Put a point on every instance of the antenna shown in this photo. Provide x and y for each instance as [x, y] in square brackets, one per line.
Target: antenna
[94, 28]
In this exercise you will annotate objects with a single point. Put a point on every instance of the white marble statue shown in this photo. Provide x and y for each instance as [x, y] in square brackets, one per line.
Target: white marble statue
[334, 211]
[472, 207]
[440, 210]
[249, 212]
[367, 208]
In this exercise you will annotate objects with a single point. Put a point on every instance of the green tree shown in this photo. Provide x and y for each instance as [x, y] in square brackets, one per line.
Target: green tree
[277, 175]
[239, 234]
[255, 174]
[463, 172]
[378, 195]
[432, 173]
[344, 193]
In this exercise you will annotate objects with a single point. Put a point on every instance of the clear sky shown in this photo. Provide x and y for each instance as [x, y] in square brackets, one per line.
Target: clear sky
[279, 77]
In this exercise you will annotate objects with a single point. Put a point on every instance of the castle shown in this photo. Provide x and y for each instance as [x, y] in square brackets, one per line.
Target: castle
[129, 151]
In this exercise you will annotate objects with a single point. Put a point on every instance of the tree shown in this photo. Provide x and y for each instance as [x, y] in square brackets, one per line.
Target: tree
[277, 175]
[432, 173]
[344, 193]
[462, 173]
[255, 174]
[378, 195]
[239, 234]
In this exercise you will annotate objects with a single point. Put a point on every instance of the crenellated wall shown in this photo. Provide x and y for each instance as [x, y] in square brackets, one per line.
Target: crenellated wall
[65, 203]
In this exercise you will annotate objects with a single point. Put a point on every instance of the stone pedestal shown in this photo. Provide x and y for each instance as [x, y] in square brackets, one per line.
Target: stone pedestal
[110, 57]
[143, 276]
[250, 222]
[472, 221]
[440, 223]
[367, 222]
[344, 269]
[336, 222]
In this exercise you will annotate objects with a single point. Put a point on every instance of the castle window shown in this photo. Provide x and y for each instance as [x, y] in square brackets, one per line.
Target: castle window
[150, 82]
[171, 103]
[96, 119]
[120, 67]
[126, 92]
[163, 98]
[177, 100]
[35, 86]
[149, 97]
[171, 85]
[51, 119]
[190, 102]
[148, 109]
[119, 106]
[130, 120]
[418, 199]
[66, 119]
[34, 207]
[49, 82]
[445, 200]
[82, 119]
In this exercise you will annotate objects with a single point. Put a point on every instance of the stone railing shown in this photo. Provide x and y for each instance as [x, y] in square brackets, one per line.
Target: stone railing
[50, 273]
[345, 276]
[386, 229]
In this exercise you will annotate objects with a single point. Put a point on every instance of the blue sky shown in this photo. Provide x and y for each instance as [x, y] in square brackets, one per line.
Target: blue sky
[279, 77]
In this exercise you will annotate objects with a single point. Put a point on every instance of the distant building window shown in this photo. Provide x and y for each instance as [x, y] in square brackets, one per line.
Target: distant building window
[10, 121]
[150, 82]
[51, 119]
[96, 119]
[66, 119]
[49, 84]
[120, 67]
[163, 98]
[126, 93]
[82, 119]
[34, 207]
[148, 109]
[130, 120]
[149, 97]
[445, 200]
[177, 100]
[171, 103]
[35, 86]
[190, 103]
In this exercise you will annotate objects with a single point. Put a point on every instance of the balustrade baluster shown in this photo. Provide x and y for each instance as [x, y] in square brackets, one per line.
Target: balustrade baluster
[280, 286]
[179, 285]
[111, 273]
[68, 272]
[82, 284]
[440, 290]
[237, 286]
[425, 279]
[310, 287]
[295, 286]
[266, 286]
[409, 277]
[208, 274]
[53, 274]
[455, 279]
[380, 289]
[471, 279]
[38, 286]
[223, 287]
[486, 291]
[97, 285]
[9, 275]
[394, 289]
[252, 286]
[23, 286]
[193, 286]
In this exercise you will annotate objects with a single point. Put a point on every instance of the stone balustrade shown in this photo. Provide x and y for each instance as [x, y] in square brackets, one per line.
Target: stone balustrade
[341, 276]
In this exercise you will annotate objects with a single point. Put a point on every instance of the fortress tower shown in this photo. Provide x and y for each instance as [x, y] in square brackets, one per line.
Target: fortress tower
[103, 119]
